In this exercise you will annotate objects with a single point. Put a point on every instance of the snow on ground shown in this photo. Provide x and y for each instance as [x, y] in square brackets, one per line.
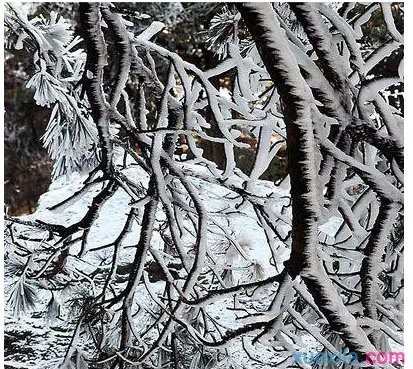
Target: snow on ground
[33, 343]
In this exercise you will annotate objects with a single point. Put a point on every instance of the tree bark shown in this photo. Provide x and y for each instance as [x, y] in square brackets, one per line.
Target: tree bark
[90, 19]
[294, 94]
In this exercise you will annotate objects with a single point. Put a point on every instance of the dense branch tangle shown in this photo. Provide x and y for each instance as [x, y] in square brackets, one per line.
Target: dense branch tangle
[345, 159]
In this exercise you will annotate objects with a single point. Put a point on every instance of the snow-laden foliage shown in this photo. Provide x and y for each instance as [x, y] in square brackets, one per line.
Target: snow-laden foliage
[59, 63]
[160, 258]
[222, 30]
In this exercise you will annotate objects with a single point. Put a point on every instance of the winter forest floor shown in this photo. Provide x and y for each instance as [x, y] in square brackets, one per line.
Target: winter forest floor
[33, 341]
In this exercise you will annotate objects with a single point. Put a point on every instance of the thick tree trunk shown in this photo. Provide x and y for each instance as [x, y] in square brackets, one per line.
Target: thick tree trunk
[304, 261]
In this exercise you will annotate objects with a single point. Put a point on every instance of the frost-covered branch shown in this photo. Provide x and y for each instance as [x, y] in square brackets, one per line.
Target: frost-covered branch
[163, 251]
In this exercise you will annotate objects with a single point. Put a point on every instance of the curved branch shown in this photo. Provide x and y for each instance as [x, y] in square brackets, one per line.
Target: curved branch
[123, 45]
[284, 72]
[90, 20]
